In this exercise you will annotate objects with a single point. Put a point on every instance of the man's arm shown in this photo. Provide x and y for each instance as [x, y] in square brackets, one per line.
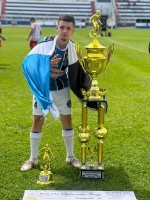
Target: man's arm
[31, 32]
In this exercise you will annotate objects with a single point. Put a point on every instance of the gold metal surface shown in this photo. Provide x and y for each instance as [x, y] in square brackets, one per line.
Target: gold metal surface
[46, 176]
[83, 155]
[92, 151]
[100, 153]
[94, 62]
[95, 19]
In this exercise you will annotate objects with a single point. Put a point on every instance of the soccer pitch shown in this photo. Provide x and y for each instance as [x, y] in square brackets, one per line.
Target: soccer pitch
[127, 143]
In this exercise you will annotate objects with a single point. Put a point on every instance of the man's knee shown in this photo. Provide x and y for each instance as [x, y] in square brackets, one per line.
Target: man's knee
[38, 123]
[38, 118]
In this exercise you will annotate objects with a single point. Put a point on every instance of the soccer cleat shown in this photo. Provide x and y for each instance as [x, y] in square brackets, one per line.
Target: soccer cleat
[71, 160]
[29, 164]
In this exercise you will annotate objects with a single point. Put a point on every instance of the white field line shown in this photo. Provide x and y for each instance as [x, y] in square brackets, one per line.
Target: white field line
[130, 47]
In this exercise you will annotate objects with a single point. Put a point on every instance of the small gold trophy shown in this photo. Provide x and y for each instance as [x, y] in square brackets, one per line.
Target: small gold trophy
[45, 176]
[95, 62]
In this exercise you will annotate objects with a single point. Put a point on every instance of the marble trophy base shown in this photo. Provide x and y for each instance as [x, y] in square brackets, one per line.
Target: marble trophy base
[92, 173]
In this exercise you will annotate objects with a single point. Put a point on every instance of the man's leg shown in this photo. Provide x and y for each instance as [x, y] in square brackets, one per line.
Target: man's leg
[68, 136]
[35, 136]
[2, 37]
[68, 133]
[62, 101]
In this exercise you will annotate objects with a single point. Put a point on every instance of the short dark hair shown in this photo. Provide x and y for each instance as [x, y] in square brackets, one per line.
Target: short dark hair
[32, 19]
[67, 18]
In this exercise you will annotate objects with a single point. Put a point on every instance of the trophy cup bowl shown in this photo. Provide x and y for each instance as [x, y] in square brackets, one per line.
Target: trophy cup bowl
[95, 62]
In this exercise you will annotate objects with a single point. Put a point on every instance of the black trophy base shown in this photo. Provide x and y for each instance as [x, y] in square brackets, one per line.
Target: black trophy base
[92, 173]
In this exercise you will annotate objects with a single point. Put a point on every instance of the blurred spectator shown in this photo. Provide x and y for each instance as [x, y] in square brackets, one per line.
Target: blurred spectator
[2, 37]
[35, 33]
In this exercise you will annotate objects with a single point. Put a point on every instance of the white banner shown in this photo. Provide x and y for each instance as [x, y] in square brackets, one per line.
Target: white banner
[77, 195]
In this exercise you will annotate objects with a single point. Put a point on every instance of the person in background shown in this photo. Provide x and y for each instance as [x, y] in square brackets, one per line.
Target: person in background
[35, 33]
[52, 68]
[1, 36]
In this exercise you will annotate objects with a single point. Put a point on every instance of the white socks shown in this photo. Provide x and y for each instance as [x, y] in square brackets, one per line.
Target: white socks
[68, 136]
[35, 139]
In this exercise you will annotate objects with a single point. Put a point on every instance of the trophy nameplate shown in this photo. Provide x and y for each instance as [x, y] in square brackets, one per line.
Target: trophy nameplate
[93, 173]
[45, 178]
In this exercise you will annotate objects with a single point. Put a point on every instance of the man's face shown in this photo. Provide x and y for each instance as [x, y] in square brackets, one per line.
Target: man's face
[65, 30]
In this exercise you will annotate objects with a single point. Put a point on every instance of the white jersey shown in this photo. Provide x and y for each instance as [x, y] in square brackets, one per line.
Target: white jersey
[36, 31]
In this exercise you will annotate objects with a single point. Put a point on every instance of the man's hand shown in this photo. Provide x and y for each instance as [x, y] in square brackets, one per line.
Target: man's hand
[55, 60]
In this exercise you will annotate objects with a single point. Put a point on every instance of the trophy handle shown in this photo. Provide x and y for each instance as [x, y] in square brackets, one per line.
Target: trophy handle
[109, 54]
[79, 55]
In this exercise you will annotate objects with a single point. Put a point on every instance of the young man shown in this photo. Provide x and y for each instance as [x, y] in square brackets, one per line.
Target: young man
[35, 32]
[51, 68]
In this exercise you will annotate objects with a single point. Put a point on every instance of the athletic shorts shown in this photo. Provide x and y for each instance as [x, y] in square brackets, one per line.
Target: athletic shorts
[61, 99]
[33, 44]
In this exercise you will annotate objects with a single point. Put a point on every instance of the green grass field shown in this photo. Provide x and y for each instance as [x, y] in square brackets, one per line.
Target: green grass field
[127, 145]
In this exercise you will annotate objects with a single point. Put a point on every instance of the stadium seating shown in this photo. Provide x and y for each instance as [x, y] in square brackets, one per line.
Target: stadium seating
[131, 10]
[47, 12]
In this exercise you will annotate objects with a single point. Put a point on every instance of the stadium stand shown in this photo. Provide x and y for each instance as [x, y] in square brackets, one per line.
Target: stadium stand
[47, 12]
[121, 13]
[131, 11]
[18, 12]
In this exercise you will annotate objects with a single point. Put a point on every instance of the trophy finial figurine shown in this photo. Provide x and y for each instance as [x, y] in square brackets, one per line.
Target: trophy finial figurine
[45, 176]
[95, 19]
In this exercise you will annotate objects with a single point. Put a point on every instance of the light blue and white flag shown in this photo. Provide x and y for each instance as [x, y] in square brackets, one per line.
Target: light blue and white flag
[36, 68]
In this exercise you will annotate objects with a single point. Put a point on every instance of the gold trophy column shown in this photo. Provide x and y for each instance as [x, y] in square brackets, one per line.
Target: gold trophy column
[83, 135]
[100, 132]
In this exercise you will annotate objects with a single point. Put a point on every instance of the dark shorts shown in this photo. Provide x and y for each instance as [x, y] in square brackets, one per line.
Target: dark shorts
[33, 44]
[103, 28]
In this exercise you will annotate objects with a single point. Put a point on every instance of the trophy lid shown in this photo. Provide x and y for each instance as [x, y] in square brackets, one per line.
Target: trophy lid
[95, 45]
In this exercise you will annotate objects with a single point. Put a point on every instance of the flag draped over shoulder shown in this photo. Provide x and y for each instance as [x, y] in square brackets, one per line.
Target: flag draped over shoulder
[36, 68]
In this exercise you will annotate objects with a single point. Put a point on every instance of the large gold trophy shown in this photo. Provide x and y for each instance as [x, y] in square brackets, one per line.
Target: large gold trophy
[95, 62]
